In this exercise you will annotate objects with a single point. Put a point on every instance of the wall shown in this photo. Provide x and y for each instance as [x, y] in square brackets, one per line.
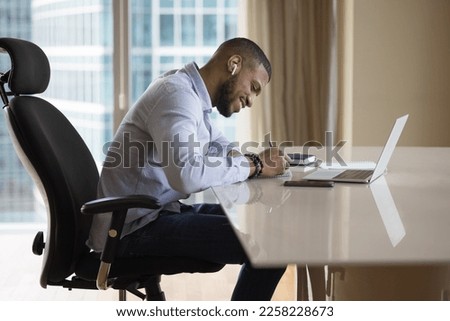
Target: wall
[402, 65]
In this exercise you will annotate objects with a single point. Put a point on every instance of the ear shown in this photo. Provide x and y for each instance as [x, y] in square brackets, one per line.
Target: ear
[234, 64]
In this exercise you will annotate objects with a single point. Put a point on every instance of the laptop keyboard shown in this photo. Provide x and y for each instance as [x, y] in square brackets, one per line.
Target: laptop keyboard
[355, 174]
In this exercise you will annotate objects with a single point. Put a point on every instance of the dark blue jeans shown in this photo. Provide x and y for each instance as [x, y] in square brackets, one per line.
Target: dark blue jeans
[202, 231]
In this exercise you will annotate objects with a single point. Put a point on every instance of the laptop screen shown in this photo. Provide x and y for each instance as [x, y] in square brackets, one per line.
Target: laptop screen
[388, 149]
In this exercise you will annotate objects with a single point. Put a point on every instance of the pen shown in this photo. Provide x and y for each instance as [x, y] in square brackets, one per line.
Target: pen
[286, 155]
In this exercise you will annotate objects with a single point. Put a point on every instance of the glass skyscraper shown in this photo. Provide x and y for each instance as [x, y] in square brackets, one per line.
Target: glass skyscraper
[17, 201]
[167, 34]
[77, 36]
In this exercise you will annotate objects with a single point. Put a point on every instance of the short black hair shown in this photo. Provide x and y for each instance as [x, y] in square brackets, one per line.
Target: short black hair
[250, 49]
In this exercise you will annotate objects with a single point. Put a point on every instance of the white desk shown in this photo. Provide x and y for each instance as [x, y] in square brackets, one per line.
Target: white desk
[403, 218]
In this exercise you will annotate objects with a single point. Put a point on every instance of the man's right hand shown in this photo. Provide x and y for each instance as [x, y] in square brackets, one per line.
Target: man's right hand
[275, 162]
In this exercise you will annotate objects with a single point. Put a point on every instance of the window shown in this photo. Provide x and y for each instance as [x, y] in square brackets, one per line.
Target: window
[210, 30]
[77, 37]
[17, 202]
[166, 28]
[190, 30]
[188, 27]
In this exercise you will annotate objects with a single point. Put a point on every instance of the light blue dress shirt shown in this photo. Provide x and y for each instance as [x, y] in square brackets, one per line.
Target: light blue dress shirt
[165, 147]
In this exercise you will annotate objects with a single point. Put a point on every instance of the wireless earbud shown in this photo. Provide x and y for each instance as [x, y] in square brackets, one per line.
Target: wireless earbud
[234, 70]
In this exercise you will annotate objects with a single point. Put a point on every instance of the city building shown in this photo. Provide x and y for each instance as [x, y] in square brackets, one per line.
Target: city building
[77, 37]
[17, 200]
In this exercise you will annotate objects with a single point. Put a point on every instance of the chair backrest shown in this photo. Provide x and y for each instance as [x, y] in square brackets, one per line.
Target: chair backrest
[54, 154]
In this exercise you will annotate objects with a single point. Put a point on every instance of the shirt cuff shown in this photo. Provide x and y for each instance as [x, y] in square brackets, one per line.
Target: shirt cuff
[244, 167]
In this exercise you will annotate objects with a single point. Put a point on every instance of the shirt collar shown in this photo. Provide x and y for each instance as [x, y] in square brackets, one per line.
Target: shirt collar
[199, 86]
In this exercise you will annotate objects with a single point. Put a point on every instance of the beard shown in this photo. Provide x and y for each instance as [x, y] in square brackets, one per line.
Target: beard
[225, 97]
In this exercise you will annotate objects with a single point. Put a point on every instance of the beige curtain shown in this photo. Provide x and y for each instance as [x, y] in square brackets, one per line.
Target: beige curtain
[309, 45]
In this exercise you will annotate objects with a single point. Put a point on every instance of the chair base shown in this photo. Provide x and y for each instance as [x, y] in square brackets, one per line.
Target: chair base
[151, 285]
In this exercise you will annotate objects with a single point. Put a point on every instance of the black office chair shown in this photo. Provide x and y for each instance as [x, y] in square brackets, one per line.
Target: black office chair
[65, 173]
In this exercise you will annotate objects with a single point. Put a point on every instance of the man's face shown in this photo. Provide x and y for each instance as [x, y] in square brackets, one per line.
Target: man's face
[240, 90]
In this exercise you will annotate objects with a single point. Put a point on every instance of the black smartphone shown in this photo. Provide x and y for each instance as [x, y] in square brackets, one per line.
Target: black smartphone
[305, 183]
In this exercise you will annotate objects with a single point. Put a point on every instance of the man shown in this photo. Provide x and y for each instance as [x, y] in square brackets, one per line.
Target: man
[167, 148]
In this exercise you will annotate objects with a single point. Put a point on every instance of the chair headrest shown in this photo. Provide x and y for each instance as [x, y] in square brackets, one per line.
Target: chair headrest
[30, 69]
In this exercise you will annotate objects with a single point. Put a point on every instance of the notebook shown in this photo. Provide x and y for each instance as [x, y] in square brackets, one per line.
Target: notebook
[299, 159]
[364, 175]
[287, 173]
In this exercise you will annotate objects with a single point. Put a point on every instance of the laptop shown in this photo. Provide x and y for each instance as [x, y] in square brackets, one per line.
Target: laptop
[366, 176]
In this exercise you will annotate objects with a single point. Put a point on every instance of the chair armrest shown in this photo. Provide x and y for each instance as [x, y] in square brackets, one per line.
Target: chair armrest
[119, 207]
[113, 204]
